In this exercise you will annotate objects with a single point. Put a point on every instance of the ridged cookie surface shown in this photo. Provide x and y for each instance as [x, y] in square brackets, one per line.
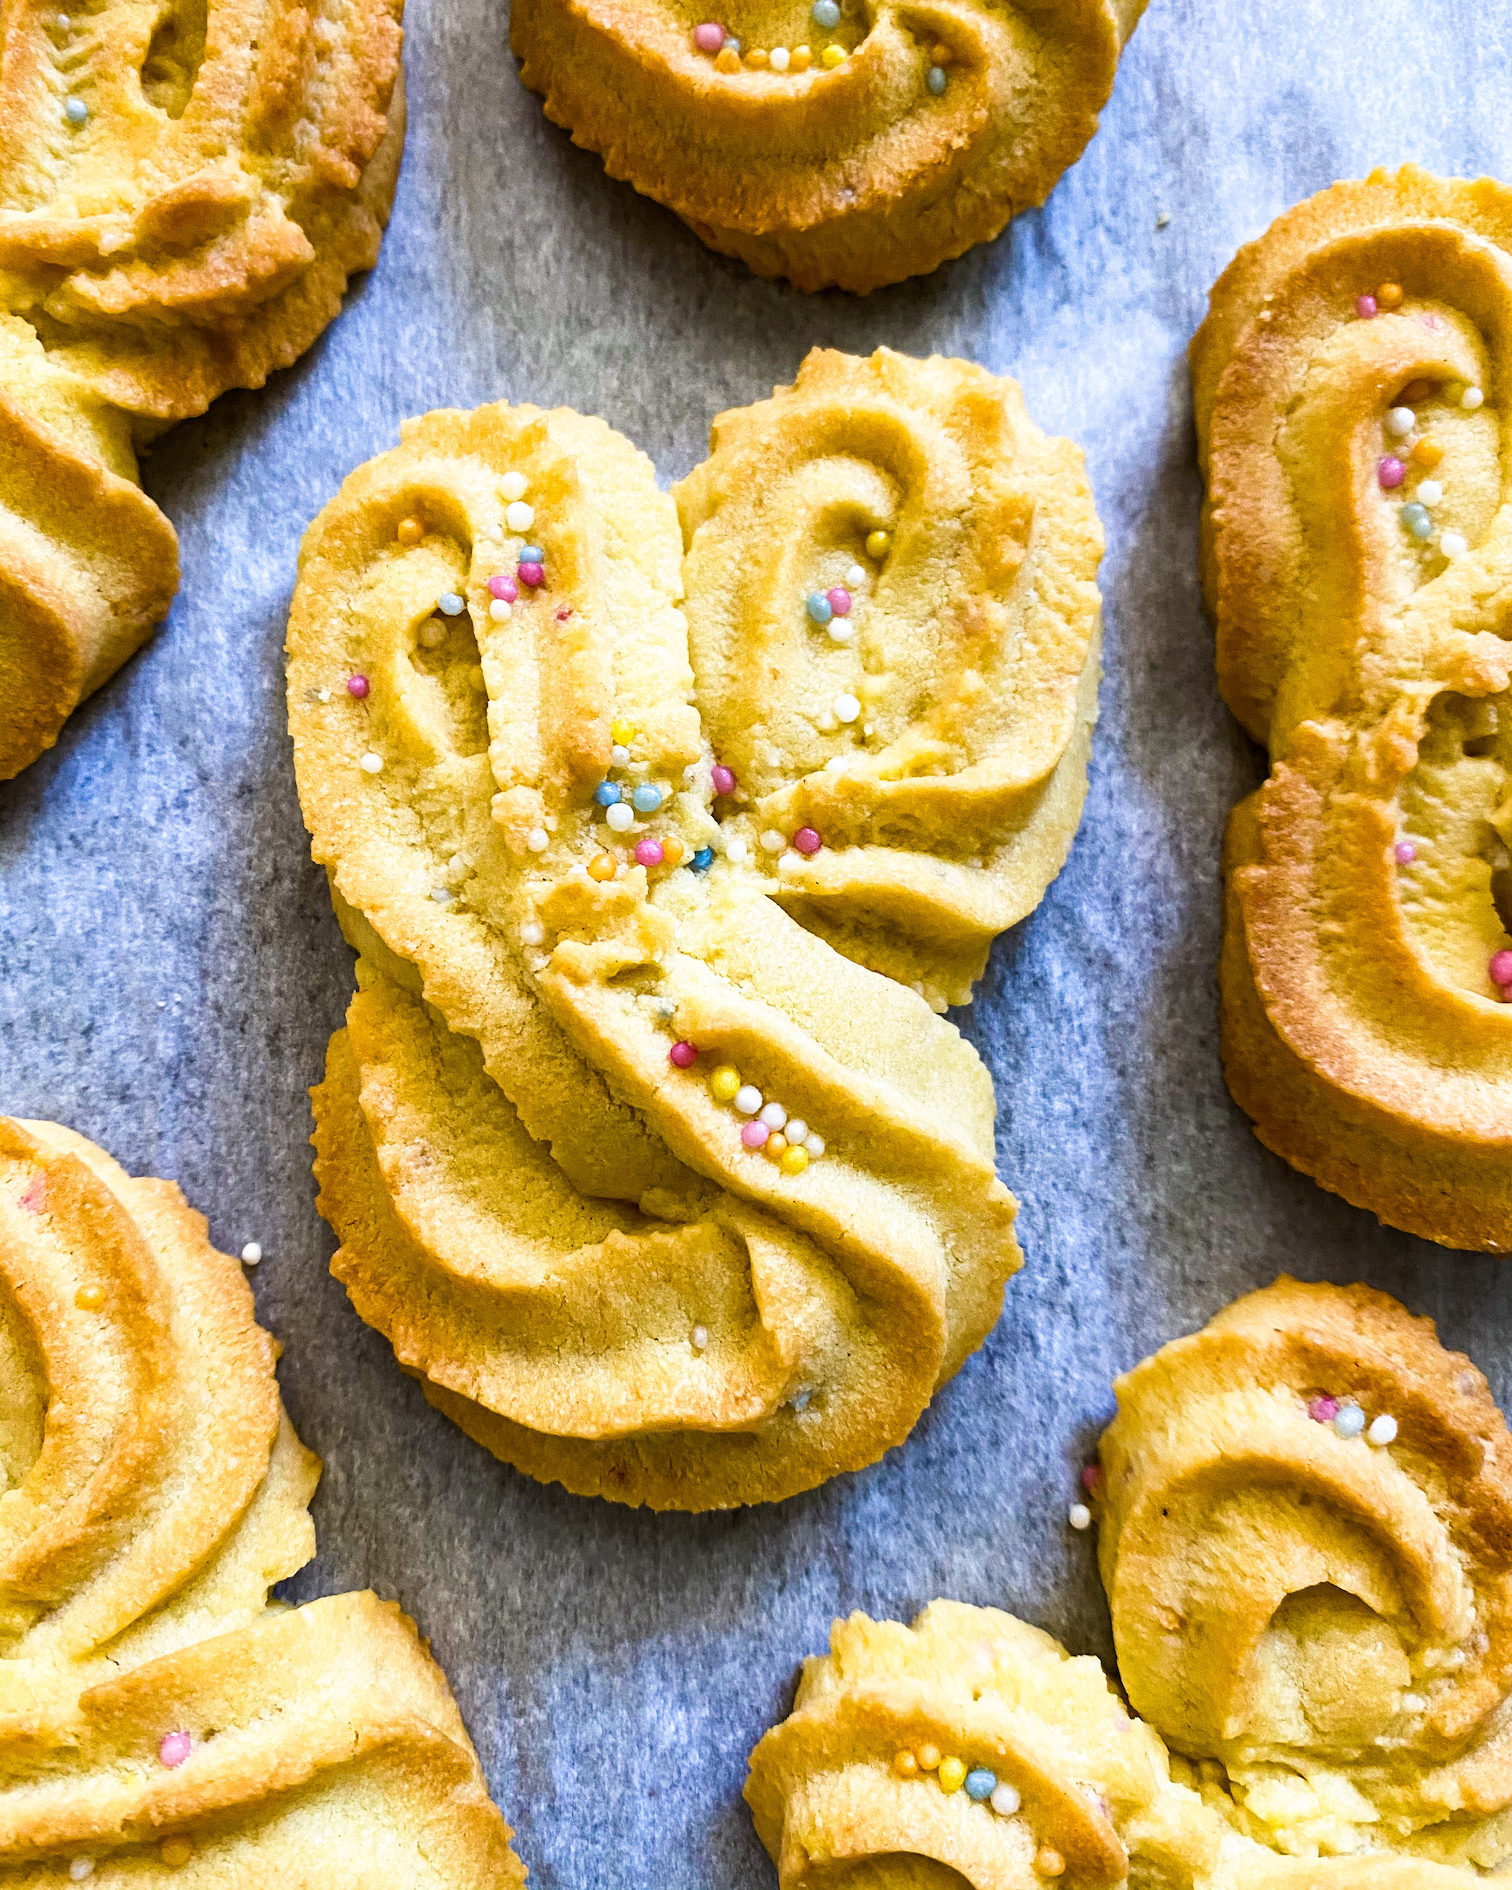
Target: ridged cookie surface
[582, 973]
[184, 192]
[156, 1714]
[1358, 562]
[845, 156]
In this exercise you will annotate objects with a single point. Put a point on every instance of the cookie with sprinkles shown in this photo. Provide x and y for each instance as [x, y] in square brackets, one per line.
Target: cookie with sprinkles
[178, 216]
[1348, 396]
[839, 145]
[155, 1711]
[645, 1142]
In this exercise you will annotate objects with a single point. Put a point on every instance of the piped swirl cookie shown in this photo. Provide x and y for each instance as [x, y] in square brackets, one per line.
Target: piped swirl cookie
[154, 1710]
[1349, 387]
[184, 192]
[1305, 1519]
[838, 144]
[635, 1151]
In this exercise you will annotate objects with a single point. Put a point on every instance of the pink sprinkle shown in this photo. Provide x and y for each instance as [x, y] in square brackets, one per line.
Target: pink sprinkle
[1501, 968]
[35, 1198]
[807, 841]
[839, 601]
[505, 587]
[648, 853]
[708, 37]
[683, 1055]
[755, 1133]
[1391, 472]
[564, 613]
[533, 574]
[724, 779]
[1323, 1410]
[1365, 307]
[1091, 1479]
[1430, 321]
[1404, 852]
[357, 686]
[173, 1748]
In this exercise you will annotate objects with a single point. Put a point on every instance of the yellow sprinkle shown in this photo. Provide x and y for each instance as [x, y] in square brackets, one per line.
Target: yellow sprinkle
[794, 1160]
[775, 1147]
[727, 61]
[878, 544]
[952, 1774]
[724, 1083]
[622, 733]
[929, 1758]
[904, 1763]
[175, 1851]
[1049, 1863]
[833, 56]
[802, 59]
[90, 1298]
[410, 531]
[756, 58]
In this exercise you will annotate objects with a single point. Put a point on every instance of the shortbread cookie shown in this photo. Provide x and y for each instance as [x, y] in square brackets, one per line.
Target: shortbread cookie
[837, 145]
[1357, 555]
[182, 200]
[666, 1196]
[154, 1709]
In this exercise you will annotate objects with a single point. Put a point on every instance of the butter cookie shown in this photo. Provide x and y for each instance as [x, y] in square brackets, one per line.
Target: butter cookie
[838, 145]
[1357, 557]
[154, 1709]
[635, 1150]
[183, 196]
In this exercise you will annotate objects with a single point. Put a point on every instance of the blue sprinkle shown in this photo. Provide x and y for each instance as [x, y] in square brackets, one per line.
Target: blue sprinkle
[646, 798]
[76, 111]
[731, 44]
[450, 604]
[819, 607]
[606, 793]
[826, 13]
[1350, 1420]
[702, 860]
[936, 80]
[1417, 519]
[531, 554]
[981, 1783]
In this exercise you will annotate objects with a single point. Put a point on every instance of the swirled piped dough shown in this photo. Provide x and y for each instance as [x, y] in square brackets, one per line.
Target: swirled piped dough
[529, 1139]
[941, 122]
[184, 191]
[155, 1710]
[1349, 387]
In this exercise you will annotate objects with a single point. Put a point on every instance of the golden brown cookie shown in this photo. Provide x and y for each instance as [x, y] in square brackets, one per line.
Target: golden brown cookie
[841, 147]
[183, 196]
[1356, 561]
[582, 973]
[154, 1710]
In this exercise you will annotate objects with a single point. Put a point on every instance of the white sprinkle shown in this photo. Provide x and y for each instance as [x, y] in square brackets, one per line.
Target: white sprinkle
[700, 1338]
[778, 58]
[801, 1399]
[538, 839]
[321, 695]
[520, 516]
[666, 1010]
[433, 633]
[371, 764]
[251, 1254]
[1382, 1430]
[1429, 492]
[855, 577]
[841, 630]
[737, 851]
[532, 932]
[1471, 399]
[774, 1116]
[1005, 1800]
[846, 708]
[443, 895]
[1400, 421]
[1163, 219]
[512, 485]
[1079, 1516]
[1414, 1703]
[621, 817]
[500, 610]
[789, 862]
[80, 1868]
[747, 1099]
[1350, 1420]
[619, 756]
[1454, 544]
[814, 1144]
[797, 1129]
[772, 841]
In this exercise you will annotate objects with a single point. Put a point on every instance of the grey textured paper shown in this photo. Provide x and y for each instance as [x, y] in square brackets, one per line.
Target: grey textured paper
[170, 970]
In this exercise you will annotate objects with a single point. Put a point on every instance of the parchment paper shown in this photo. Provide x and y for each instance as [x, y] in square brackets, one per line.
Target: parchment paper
[170, 969]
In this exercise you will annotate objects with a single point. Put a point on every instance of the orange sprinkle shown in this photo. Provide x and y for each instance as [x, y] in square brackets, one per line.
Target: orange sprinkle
[801, 60]
[1415, 391]
[410, 531]
[90, 1298]
[1049, 1863]
[176, 1851]
[1388, 296]
[673, 850]
[601, 866]
[929, 1758]
[1427, 453]
[756, 57]
[905, 1764]
[775, 1147]
[727, 61]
